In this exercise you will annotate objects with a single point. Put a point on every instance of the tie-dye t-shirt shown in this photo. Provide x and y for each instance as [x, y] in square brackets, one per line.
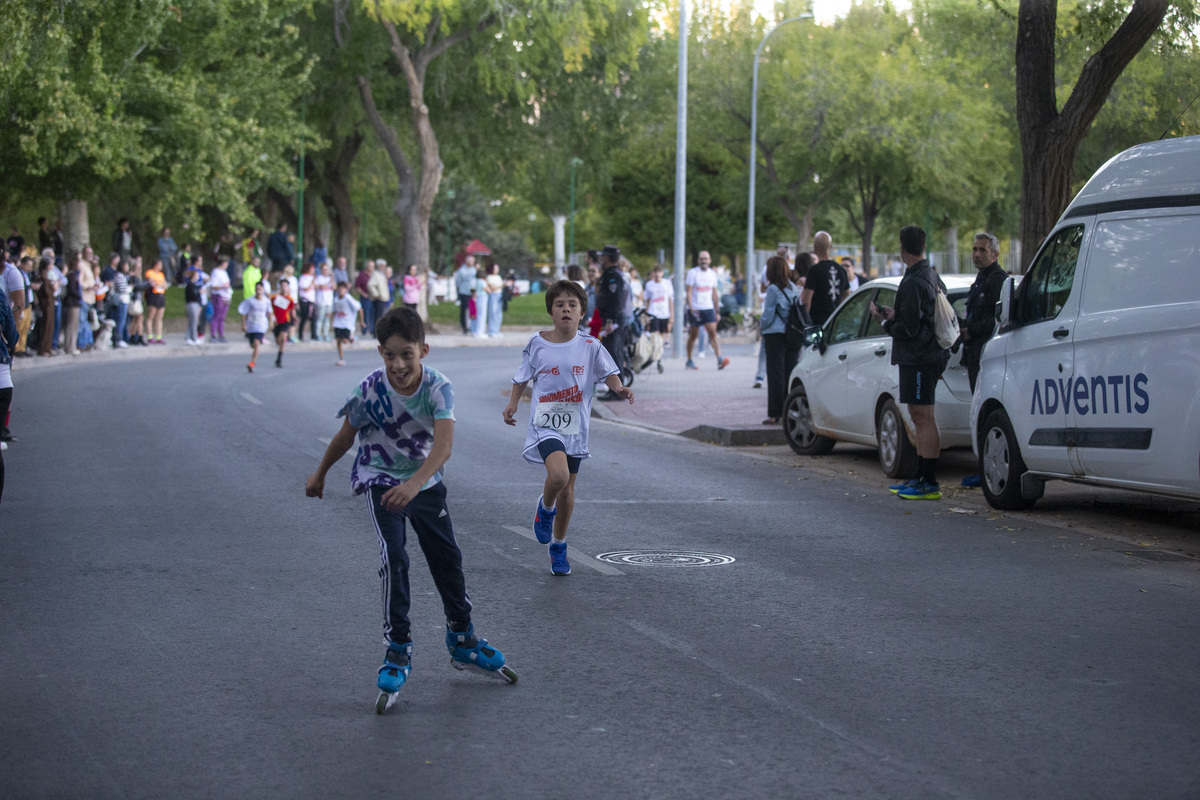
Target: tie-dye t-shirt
[395, 433]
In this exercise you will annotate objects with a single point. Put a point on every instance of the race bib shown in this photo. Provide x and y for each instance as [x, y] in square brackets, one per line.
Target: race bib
[560, 416]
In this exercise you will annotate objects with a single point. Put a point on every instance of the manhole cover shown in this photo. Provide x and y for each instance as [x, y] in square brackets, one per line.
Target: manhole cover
[659, 558]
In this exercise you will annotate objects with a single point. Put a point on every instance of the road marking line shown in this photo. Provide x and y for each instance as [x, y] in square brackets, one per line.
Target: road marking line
[252, 398]
[573, 554]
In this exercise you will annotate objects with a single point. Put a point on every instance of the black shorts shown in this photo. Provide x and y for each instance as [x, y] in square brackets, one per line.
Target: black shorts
[156, 300]
[254, 337]
[548, 446]
[342, 334]
[657, 325]
[918, 383]
[282, 327]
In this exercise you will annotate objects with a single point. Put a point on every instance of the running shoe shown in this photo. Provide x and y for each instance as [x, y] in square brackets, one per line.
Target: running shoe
[340, 363]
[723, 363]
[921, 491]
[543, 523]
[899, 487]
[250, 367]
[690, 365]
[559, 566]
[971, 482]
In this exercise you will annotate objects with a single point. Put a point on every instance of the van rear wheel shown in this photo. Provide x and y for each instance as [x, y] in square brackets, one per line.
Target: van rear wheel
[1001, 465]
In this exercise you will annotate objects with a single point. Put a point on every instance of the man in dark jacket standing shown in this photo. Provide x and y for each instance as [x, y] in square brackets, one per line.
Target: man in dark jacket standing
[915, 350]
[612, 296]
[980, 322]
[279, 251]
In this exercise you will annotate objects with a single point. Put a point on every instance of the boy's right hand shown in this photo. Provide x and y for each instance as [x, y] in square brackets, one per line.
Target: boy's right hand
[510, 413]
[315, 486]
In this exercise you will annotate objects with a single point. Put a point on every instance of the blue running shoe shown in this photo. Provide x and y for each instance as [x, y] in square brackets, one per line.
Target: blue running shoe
[971, 482]
[921, 491]
[899, 487]
[469, 652]
[397, 663]
[558, 560]
[690, 365]
[543, 523]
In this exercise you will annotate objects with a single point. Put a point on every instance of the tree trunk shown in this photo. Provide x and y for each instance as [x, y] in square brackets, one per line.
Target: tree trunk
[416, 188]
[76, 236]
[335, 194]
[1050, 139]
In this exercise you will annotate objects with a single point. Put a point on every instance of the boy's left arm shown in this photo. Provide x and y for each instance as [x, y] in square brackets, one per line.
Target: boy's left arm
[613, 382]
[398, 497]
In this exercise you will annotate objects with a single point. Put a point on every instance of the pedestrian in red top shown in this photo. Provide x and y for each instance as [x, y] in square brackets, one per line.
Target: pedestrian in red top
[284, 307]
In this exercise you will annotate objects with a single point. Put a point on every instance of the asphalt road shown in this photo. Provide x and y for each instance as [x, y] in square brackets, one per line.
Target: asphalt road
[177, 619]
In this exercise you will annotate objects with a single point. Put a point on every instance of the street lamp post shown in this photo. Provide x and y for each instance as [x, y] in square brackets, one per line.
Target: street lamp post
[753, 155]
[575, 162]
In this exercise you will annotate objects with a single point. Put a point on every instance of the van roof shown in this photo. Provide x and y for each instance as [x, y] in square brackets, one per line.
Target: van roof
[1136, 178]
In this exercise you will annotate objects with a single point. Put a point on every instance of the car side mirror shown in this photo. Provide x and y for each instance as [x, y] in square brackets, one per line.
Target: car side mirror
[1006, 306]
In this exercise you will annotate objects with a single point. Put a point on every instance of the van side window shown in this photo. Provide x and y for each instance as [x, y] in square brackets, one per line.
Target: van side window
[1143, 262]
[1046, 287]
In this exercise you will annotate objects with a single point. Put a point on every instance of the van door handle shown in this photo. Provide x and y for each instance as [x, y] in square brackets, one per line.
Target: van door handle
[881, 351]
[842, 357]
[1061, 333]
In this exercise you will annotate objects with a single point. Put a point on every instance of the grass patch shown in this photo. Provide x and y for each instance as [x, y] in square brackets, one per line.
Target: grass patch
[525, 310]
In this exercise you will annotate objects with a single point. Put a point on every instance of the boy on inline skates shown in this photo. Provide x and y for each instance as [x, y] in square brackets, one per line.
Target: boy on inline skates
[403, 418]
[564, 365]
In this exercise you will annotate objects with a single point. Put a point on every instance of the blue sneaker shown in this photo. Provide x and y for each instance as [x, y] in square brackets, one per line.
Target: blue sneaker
[559, 565]
[469, 652]
[543, 523]
[397, 663]
[921, 491]
[971, 482]
[899, 487]
[690, 365]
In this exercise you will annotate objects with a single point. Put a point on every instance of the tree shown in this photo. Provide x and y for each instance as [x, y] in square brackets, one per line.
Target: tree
[1050, 137]
[529, 40]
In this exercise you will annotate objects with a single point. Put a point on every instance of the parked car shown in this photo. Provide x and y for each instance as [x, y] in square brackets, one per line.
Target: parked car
[1094, 376]
[845, 388]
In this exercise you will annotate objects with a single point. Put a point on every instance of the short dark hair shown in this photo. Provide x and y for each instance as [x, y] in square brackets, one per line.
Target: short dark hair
[575, 272]
[40, 221]
[803, 262]
[402, 322]
[340, 284]
[564, 287]
[912, 240]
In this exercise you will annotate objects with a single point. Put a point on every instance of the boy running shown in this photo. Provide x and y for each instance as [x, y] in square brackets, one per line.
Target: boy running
[403, 418]
[255, 312]
[564, 365]
[347, 316]
[284, 307]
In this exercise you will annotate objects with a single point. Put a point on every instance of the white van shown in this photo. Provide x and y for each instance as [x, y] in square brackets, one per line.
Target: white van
[1094, 374]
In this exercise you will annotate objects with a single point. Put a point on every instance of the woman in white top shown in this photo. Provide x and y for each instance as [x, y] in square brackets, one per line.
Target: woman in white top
[307, 288]
[495, 298]
[221, 293]
[324, 289]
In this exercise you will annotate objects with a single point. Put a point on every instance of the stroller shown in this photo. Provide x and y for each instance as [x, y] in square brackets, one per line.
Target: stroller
[728, 324]
[634, 331]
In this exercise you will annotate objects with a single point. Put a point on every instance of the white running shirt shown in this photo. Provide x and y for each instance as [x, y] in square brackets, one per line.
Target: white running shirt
[256, 312]
[563, 377]
[345, 312]
[658, 295]
[700, 284]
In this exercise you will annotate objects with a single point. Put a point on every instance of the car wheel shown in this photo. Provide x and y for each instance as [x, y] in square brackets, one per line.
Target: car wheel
[897, 455]
[798, 426]
[1001, 465]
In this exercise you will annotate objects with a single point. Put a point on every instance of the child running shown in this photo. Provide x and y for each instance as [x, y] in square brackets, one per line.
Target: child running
[403, 417]
[347, 316]
[255, 312]
[284, 307]
[564, 365]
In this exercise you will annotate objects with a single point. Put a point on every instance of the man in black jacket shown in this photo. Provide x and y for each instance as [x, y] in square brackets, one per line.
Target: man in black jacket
[916, 351]
[612, 296]
[980, 322]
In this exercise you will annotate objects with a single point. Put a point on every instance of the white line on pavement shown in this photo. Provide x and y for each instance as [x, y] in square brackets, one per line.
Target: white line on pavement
[574, 555]
[252, 398]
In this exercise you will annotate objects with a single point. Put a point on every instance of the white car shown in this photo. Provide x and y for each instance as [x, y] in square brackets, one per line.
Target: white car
[845, 388]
